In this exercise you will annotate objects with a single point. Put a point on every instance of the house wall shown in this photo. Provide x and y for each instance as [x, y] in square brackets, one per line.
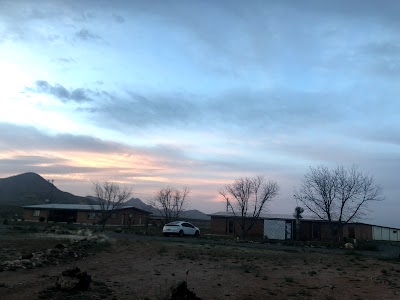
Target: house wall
[310, 231]
[220, 225]
[361, 231]
[322, 231]
[122, 217]
[28, 214]
[385, 234]
[315, 231]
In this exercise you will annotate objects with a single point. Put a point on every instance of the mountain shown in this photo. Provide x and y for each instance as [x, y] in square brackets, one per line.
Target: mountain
[136, 202]
[31, 188]
[193, 214]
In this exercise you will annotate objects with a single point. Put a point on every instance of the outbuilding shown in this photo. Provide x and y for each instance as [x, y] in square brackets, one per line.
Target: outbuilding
[283, 227]
[84, 214]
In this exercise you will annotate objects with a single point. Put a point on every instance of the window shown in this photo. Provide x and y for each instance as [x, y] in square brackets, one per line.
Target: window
[91, 215]
[36, 213]
[394, 231]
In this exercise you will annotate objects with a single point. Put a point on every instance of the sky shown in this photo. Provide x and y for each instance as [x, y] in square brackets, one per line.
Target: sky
[195, 94]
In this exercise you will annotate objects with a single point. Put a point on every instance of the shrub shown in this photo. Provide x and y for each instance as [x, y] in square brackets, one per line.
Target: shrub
[42, 219]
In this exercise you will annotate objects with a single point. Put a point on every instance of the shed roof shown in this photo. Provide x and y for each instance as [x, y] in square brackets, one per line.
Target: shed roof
[87, 207]
[230, 214]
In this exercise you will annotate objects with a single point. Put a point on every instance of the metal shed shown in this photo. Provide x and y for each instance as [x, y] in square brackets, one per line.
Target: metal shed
[380, 233]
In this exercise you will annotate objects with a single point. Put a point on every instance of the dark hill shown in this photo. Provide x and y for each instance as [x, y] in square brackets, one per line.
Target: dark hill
[31, 188]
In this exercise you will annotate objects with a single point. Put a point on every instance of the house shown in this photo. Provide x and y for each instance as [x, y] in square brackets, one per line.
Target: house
[283, 227]
[84, 214]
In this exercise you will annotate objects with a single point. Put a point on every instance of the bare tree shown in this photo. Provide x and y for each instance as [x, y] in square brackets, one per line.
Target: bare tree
[170, 202]
[109, 197]
[247, 198]
[338, 195]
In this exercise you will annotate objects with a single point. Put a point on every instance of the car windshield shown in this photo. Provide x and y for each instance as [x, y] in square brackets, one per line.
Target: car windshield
[174, 223]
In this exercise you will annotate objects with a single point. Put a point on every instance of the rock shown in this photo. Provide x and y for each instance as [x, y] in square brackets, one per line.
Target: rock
[74, 279]
[72, 272]
[349, 246]
[84, 281]
[60, 246]
[26, 262]
[27, 256]
[66, 283]
[55, 251]
[180, 291]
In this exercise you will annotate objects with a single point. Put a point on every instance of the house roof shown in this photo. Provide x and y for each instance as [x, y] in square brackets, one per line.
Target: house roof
[229, 214]
[78, 207]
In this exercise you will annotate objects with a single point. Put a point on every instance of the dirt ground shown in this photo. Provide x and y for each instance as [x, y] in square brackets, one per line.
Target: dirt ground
[146, 268]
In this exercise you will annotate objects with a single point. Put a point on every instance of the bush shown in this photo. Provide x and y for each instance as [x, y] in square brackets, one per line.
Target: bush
[42, 219]
[367, 246]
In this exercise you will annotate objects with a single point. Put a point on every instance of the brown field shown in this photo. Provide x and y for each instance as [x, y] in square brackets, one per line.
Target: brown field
[140, 267]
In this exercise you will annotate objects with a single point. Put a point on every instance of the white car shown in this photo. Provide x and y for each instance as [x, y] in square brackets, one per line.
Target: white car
[180, 228]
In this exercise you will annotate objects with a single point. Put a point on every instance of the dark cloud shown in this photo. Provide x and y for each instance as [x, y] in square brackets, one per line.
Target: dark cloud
[137, 110]
[118, 18]
[85, 34]
[59, 91]
[383, 57]
[387, 11]
[44, 165]
[238, 110]
[31, 160]
[383, 49]
[66, 60]
[383, 134]
[30, 138]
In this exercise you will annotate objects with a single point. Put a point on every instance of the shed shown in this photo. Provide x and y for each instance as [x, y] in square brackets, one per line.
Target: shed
[85, 214]
[382, 233]
[283, 227]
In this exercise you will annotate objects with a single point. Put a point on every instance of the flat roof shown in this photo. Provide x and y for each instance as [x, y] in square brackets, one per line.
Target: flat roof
[230, 214]
[264, 216]
[87, 207]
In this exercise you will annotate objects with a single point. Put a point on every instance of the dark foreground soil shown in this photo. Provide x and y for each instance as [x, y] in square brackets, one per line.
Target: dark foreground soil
[147, 268]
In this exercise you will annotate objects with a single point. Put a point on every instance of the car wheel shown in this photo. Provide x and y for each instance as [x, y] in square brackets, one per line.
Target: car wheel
[181, 234]
[197, 233]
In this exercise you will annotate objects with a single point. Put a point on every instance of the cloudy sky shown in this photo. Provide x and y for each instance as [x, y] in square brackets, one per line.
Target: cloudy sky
[198, 93]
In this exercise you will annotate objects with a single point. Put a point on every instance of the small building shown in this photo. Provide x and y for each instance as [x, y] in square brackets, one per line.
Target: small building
[283, 227]
[84, 214]
[382, 233]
